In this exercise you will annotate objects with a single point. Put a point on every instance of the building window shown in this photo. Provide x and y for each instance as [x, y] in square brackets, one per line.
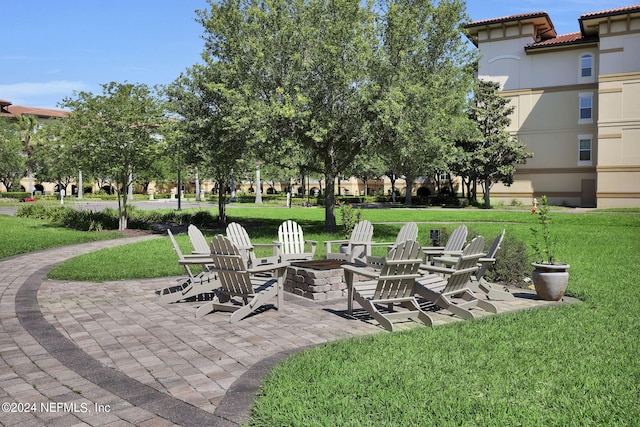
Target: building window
[586, 65]
[585, 145]
[586, 108]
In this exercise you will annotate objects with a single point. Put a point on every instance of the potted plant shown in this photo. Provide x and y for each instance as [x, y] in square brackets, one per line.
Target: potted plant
[550, 277]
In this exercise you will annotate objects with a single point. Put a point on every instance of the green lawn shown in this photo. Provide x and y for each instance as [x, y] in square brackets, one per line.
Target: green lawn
[572, 365]
[21, 235]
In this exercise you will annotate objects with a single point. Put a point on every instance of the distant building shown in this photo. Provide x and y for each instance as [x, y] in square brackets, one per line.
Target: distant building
[7, 109]
[577, 104]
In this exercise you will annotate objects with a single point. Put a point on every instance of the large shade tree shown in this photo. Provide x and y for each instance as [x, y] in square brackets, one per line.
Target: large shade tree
[115, 134]
[295, 75]
[424, 72]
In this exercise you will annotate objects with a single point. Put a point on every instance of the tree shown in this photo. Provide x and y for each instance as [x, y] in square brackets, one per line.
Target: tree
[53, 158]
[424, 74]
[13, 162]
[299, 75]
[27, 124]
[115, 134]
[494, 153]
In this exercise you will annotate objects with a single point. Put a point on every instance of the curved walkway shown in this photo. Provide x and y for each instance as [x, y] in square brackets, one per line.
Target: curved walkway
[110, 354]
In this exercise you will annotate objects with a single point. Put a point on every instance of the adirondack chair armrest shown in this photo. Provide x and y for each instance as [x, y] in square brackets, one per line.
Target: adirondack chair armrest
[267, 267]
[195, 260]
[360, 270]
[404, 261]
[197, 255]
[328, 243]
[446, 260]
[435, 268]
[381, 243]
[487, 260]
[275, 246]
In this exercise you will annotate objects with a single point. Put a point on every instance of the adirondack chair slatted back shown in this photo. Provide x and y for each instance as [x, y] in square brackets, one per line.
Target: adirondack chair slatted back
[456, 240]
[491, 254]
[467, 265]
[230, 266]
[198, 241]
[362, 232]
[178, 252]
[291, 238]
[409, 231]
[398, 274]
[240, 238]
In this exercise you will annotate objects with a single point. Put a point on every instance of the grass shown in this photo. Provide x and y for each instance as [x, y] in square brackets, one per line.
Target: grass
[21, 235]
[571, 365]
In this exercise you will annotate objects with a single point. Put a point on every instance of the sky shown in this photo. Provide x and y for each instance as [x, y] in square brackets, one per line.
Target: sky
[50, 49]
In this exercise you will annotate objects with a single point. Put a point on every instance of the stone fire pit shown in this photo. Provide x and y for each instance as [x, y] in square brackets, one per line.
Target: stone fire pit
[317, 280]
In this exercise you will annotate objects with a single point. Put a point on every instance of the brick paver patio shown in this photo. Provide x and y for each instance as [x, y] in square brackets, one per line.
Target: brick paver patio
[76, 353]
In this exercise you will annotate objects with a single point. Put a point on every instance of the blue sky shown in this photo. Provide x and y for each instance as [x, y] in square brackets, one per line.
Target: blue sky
[50, 49]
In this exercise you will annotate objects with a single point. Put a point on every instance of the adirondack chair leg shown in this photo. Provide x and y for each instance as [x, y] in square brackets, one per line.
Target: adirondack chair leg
[376, 315]
[205, 309]
[487, 306]
[348, 278]
[494, 292]
[461, 312]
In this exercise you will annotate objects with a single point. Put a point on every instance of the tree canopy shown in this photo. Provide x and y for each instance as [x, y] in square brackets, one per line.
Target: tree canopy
[115, 134]
[491, 155]
[312, 84]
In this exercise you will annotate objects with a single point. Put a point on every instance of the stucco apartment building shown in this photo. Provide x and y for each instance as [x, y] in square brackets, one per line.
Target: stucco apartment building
[577, 104]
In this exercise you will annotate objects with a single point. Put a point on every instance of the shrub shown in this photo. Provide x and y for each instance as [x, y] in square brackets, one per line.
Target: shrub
[203, 219]
[350, 217]
[19, 195]
[512, 263]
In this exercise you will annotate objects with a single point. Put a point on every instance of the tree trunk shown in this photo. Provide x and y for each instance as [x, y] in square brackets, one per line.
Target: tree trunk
[258, 185]
[487, 195]
[330, 205]
[198, 195]
[409, 190]
[222, 208]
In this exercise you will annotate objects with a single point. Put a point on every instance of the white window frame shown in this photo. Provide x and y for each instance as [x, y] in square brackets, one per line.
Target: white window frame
[587, 96]
[591, 77]
[582, 138]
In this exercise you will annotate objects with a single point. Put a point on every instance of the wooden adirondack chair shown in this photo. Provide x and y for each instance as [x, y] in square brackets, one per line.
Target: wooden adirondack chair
[454, 245]
[391, 287]
[479, 284]
[240, 291]
[448, 288]
[292, 243]
[357, 247]
[198, 241]
[200, 286]
[409, 231]
[239, 236]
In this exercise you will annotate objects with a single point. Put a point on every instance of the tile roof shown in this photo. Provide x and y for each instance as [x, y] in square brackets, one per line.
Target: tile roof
[563, 39]
[509, 18]
[608, 12]
[9, 110]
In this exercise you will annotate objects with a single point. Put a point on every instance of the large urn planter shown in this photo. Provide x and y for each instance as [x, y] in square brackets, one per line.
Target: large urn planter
[550, 280]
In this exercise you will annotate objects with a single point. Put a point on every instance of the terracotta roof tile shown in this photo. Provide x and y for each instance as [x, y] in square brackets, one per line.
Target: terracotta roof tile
[616, 11]
[560, 39]
[16, 110]
[509, 18]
